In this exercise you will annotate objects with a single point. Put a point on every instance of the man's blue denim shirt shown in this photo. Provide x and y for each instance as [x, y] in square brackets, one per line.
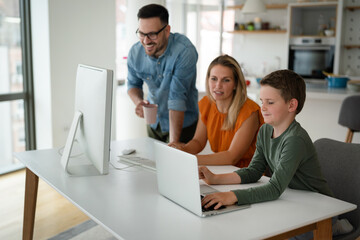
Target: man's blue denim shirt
[171, 79]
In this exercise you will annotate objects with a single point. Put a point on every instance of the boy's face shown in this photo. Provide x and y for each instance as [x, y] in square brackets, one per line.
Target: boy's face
[274, 108]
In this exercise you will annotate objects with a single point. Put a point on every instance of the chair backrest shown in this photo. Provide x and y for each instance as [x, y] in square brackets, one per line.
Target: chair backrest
[340, 165]
[350, 113]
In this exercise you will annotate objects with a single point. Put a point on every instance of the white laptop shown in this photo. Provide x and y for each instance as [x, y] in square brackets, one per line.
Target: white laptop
[178, 180]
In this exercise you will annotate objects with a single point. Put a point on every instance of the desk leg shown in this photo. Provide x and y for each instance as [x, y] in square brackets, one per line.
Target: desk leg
[323, 229]
[31, 189]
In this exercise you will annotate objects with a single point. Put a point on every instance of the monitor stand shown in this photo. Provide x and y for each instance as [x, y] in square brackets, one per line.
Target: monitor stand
[82, 167]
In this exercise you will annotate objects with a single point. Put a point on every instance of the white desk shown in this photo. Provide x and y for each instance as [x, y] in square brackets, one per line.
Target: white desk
[127, 203]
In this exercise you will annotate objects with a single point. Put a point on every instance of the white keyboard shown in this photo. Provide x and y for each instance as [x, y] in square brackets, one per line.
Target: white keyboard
[138, 161]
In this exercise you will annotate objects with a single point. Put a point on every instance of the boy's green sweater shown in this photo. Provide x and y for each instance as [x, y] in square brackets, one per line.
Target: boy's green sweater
[292, 160]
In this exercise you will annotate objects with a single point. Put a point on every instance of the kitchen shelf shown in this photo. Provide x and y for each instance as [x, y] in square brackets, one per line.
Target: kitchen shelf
[257, 31]
[351, 46]
[268, 6]
[311, 36]
[352, 8]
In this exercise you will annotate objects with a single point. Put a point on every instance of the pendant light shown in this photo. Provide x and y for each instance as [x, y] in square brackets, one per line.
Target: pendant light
[253, 6]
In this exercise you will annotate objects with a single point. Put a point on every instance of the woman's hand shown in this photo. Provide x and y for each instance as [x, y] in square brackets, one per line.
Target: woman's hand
[177, 145]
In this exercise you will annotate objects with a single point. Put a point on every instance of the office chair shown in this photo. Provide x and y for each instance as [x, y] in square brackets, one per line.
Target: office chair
[350, 116]
[340, 165]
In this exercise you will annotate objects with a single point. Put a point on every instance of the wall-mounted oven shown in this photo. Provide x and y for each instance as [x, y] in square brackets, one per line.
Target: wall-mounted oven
[311, 56]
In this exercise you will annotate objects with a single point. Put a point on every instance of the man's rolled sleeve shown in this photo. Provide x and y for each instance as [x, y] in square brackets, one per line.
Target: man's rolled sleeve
[133, 81]
[182, 81]
[177, 105]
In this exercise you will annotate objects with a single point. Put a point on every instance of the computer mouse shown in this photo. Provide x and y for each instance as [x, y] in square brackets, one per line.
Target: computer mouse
[128, 151]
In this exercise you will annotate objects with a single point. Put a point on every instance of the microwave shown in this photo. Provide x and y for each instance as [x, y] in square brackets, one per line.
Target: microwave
[310, 57]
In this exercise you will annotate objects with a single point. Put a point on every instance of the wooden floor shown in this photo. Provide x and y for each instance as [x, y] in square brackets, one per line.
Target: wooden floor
[54, 213]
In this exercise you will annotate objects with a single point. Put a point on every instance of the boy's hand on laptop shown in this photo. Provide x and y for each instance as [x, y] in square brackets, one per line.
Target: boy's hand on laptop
[206, 175]
[210, 178]
[219, 199]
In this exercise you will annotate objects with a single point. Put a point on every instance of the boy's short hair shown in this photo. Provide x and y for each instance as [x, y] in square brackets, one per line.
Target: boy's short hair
[154, 10]
[290, 84]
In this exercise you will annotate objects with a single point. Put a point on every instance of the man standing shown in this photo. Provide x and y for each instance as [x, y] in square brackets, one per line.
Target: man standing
[166, 62]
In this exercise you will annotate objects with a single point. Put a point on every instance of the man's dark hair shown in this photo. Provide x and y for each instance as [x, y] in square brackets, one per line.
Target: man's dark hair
[154, 10]
[290, 84]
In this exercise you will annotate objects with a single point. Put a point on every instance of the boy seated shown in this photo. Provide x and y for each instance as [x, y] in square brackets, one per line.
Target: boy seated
[282, 145]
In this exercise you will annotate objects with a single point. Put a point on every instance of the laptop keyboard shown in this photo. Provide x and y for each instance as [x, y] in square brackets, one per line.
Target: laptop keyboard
[138, 161]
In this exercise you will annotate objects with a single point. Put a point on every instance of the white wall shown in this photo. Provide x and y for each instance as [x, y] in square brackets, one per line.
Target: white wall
[64, 34]
[320, 118]
[6, 123]
[258, 51]
[264, 52]
[176, 16]
[41, 72]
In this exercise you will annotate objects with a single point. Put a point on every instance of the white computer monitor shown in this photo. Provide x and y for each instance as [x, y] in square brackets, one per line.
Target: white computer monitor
[91, 126]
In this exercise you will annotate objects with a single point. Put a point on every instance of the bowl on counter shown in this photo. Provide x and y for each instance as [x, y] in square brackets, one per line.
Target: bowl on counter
[354, 85]
[337, 81]
[329, 32]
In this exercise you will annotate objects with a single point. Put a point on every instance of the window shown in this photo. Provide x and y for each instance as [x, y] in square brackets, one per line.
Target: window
[16, 96]
[205, 34]
[121, 41]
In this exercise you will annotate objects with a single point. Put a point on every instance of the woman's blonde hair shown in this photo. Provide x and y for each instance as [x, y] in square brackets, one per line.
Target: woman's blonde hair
[240, 93]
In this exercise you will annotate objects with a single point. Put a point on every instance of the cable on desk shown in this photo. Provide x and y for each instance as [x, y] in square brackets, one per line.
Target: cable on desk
[61, 150]
[125, 168]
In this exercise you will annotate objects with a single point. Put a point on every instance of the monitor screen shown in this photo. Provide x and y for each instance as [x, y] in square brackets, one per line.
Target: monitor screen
[91, 127]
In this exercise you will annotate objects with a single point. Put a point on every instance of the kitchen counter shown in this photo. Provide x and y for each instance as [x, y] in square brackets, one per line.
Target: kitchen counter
[313, 91]
[321, 110]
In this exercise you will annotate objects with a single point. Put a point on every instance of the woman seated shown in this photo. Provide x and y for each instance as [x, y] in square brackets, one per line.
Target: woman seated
[228, 118]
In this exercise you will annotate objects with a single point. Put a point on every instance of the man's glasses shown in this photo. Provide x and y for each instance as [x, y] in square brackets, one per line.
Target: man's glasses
[150, 35]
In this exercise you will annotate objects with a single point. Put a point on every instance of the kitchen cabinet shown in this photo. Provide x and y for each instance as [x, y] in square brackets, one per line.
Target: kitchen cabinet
[310, 52]
[258, 31]
[311, 19]
[350, 50]
[353, 8]
[351, 46]
[268, 6]
[263, 31]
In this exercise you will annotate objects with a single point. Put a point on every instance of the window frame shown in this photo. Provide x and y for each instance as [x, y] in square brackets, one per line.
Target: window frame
[27, 95]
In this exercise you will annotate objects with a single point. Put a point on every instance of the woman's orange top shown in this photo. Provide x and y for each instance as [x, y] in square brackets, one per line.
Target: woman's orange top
[220, 140]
